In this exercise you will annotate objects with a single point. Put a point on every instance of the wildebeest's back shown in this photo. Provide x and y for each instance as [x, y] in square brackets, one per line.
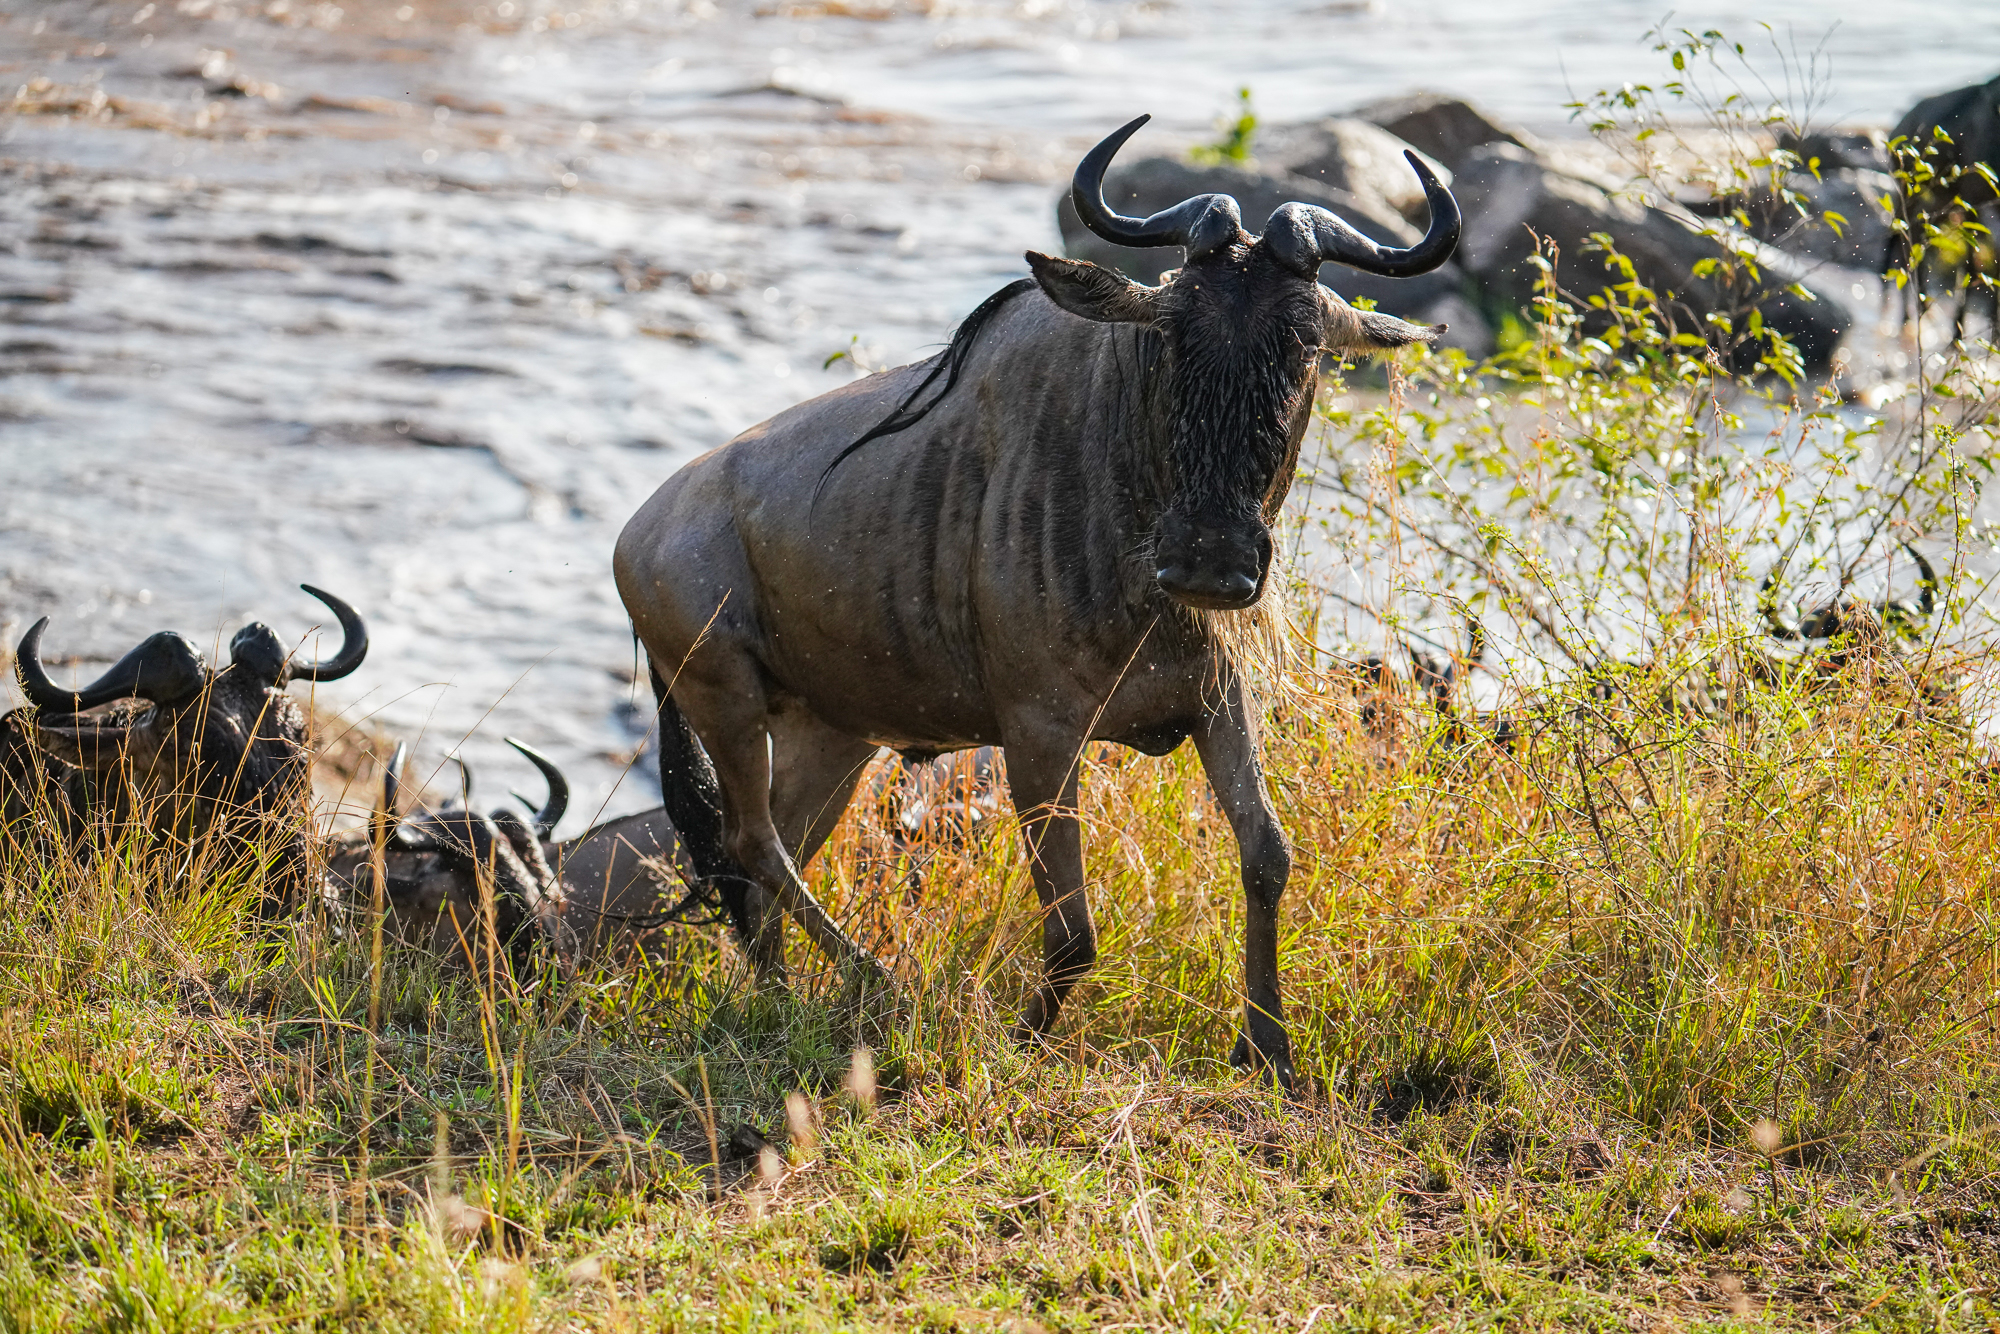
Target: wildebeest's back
[982, 516]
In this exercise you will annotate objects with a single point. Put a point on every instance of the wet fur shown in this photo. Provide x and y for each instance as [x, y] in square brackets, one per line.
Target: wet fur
[983, 572]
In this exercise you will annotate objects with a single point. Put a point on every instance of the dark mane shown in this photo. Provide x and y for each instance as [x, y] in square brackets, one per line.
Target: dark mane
[948, 363]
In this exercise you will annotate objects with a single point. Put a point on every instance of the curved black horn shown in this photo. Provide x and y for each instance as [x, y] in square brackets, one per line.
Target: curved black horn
[1304, 236]
[353, 646]
[1769, 606]
[165, 668]
[392, 779]
[553, 810]
[464, 781]
[1927, 581]
[1202, 224]
[1475, 641]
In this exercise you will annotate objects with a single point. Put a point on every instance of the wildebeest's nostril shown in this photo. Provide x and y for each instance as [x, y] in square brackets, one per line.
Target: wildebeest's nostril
[1213, 589]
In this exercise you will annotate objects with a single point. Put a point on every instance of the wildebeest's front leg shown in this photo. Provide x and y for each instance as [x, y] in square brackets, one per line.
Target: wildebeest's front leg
[1228, 749]
[1042, 779]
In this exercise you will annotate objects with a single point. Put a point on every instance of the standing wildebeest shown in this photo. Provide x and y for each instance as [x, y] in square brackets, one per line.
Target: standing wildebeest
[1041, 556]
[1959, 191]
[193, 754]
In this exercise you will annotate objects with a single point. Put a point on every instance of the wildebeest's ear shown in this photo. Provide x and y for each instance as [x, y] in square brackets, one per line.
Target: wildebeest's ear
[1094, 292]
[1351, 330]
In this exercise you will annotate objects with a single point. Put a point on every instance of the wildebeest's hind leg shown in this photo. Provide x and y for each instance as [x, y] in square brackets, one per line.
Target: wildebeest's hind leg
[694, 802]
[734, 728]
[1042, 779]
[814, 769]
[1228, 749]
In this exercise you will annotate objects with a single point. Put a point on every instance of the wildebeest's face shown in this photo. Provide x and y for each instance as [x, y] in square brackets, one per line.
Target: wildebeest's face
[184, 748]
[1242, 338]
[1241, 331]
[1241, 325]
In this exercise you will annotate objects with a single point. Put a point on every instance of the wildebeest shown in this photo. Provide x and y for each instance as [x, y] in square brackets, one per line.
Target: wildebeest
[1842, 624]
[211, 762]
[616, 887]
[456, 881]
[1439, 680]
[1956, 188]
[1047, 550]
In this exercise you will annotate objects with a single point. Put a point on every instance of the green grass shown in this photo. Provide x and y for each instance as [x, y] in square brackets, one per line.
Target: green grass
[1574, 1057]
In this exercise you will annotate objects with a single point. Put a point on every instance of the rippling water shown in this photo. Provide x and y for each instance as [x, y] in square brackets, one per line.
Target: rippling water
[418, 302]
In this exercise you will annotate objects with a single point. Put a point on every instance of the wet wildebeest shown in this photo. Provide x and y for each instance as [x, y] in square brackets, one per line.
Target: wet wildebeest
[1438, 678]
[209, 762]
[454, 879]
[1047, 551]
[1959, 190]
[1843, 625]
[617, 886]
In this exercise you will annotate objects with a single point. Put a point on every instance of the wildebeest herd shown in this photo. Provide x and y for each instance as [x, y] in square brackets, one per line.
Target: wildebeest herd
[1038, 539]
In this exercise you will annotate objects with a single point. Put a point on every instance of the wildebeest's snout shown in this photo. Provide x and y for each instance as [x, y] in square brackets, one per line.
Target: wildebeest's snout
[1212, 564]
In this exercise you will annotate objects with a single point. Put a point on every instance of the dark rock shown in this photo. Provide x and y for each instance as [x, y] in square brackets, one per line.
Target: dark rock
[1800, 226]
[1507, 194]
[1839, 150]
[1446, 128]
[1970, 116]
[1346, 153]
[1148, 185]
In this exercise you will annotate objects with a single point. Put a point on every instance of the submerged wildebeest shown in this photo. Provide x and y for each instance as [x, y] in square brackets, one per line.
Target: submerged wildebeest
[1047, 551]
[210, 762]
[1952, 141]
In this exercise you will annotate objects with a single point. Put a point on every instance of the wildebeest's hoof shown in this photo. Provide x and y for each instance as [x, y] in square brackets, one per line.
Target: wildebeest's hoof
[1273, 1059]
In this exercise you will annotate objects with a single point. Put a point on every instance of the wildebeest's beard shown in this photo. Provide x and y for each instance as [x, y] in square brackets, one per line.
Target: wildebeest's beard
[1242, 341]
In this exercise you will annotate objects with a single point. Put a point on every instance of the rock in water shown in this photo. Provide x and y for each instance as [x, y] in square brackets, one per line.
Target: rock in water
[1857, 239]
[1509, 197]
[1446, 128]
[1347, 153]
[1860, 149]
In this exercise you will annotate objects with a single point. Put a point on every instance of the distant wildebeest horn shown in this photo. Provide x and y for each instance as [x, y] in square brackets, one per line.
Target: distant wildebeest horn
[412, 833]
[1304, 236]
[1927, 581]
[1202, 224]
[392, 780]
[165, 669]
[1768, 604]
[353, 646]
[464, 781]
[553, 810]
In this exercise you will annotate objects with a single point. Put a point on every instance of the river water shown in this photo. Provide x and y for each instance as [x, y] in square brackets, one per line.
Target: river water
[416, 302]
